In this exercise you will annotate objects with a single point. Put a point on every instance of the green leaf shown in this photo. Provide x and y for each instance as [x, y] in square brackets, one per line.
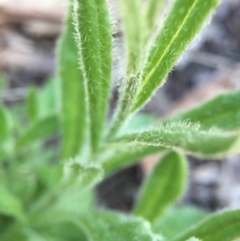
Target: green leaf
[186, 137]
[139, 122]
[121, 114]
[5, 125]
[224, 226]
[14, 232]
[102, 226]
[38, 132]
[73, 94]
[154, 9]
[71, 191]
[94, 42]
[222, 112]
[35, 236]
[183, 22]
[65, 231]
[193, 239]
[49, 98]
[163, 187]
[58, 206]
[9, 204]
[49, 175]
[108, 226]
[20, 180]
[134, 33]
[32, 104]
[116, 156]
[178, 220]
[76, 193]
[80, 175]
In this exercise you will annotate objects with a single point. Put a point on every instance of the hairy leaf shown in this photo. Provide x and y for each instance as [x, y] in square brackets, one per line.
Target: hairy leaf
[183, 22]
[163, 187]
[116, 156]
[97, 225]
[123, 108]
[154, 9]
[133, 32]
[71, 191]
[103, 225]
[81, 176]
[73, 92]
[224, 226]
[107, 226]
[222, 112]
[38, 132]
[94, 42]
[178, 220]
[133, 26]
[32, 104]
[188, 138]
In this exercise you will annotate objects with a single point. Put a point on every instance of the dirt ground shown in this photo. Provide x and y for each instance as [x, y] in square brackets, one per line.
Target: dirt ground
[28, 34]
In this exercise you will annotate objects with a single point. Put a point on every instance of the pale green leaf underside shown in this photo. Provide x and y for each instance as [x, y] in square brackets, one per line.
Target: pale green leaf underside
[183, 22]
[119, 155]
[188, 138]
[163, 187]
[139, 122]
[178, 220]
[223, 226]
[94, 42]
[222, 112]
[73, 96]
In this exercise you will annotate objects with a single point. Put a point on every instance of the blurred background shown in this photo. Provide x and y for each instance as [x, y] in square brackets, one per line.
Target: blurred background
[29, 30]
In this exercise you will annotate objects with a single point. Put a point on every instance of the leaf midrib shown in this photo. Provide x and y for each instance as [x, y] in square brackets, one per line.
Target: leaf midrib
[180, 148]
[166, 50]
